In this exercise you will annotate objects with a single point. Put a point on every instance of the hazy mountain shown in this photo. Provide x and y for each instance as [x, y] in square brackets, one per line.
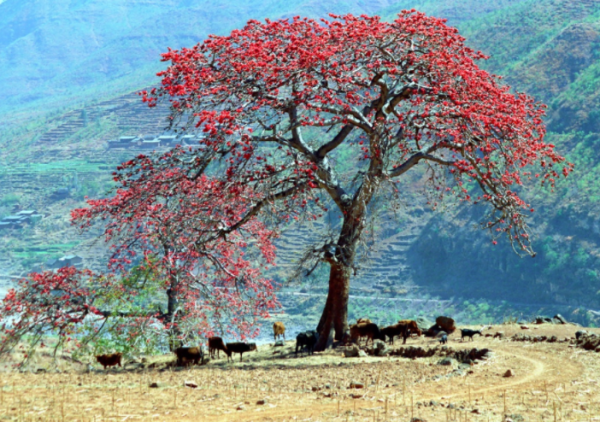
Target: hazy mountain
[56, 51]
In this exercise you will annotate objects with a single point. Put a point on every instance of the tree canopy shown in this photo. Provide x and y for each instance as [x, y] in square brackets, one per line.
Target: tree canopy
[282, 106]
[278, 100]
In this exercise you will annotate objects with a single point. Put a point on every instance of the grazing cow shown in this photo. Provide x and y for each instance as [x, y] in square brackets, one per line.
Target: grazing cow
[186, 355]
[308, 340]
[369, 330]
[240, 348]
[464, 332]
[404, 328]
[413, 327]
[278, 330]
[110, 360]
[216, 344]
[444, 339]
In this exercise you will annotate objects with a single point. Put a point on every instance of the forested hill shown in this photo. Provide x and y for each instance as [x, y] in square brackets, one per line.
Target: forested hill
[67, 66]
[550, 49]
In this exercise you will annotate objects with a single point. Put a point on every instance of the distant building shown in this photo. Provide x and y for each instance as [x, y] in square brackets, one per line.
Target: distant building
[151, 144]
[154, 142]
[125, 142]
[148, 137]
[128, 139]
[14, 221]
[168, 140]
[71, 260]
[27, 213]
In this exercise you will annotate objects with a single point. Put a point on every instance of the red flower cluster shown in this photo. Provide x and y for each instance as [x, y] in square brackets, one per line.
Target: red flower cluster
[282, 105]
[409, 90]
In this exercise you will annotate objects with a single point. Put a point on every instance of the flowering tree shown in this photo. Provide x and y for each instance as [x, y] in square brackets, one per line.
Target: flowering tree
[174, 222]
[67, 310]
[174, 273]
[283, 104]
[305, 119]
[43, 302]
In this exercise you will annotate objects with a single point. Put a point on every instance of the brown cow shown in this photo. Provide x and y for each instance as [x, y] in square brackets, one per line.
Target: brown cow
[369, 330]
[413, 327]
[110, 360]
[363, 321]
[278, 330]
[404, 328]
[187, 355]
[216, 343]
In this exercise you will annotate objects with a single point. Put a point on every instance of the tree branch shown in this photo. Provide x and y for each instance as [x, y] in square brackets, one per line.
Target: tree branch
[414, 160]
[258, 206]
[335, 142]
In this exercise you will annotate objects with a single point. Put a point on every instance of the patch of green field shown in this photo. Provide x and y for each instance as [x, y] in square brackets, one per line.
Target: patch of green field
[52, 167]
[41, 250]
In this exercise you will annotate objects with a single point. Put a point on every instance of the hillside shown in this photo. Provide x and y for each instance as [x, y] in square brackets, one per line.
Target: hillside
[423, 260]
[551, 50]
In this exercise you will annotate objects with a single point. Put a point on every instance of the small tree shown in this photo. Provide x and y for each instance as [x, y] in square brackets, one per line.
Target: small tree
[281, 102]
[173, 275]
[174, 223]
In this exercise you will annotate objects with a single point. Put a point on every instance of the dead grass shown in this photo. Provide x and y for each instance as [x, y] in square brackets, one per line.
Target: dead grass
[551, 382]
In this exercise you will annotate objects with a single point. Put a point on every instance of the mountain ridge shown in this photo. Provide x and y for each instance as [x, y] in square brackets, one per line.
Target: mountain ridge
[53, 48]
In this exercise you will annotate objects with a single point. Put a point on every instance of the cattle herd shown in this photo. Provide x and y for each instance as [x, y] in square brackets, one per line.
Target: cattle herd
[365, 328]
[307, 340]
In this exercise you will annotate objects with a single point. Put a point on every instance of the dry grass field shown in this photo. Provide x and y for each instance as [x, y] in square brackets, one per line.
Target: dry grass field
[550, 382]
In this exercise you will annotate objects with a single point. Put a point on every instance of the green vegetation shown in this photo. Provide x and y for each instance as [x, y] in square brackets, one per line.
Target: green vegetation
[31, 254]
[66, 166]
[9, 199]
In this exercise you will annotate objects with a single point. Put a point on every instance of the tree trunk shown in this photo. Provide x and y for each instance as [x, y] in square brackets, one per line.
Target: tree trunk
[171, 318]
[335, 313]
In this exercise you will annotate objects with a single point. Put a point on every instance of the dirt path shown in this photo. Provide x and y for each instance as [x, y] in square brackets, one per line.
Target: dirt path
[539, 369]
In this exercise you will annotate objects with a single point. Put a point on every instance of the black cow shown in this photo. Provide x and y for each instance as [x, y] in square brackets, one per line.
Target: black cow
[240, 348]
[464, 332]
[308, 340]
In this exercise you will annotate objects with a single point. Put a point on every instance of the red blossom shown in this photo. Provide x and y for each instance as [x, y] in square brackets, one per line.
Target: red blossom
[275, 101]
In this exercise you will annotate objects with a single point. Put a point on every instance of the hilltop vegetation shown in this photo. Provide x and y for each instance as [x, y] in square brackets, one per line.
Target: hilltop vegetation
[551, 50]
